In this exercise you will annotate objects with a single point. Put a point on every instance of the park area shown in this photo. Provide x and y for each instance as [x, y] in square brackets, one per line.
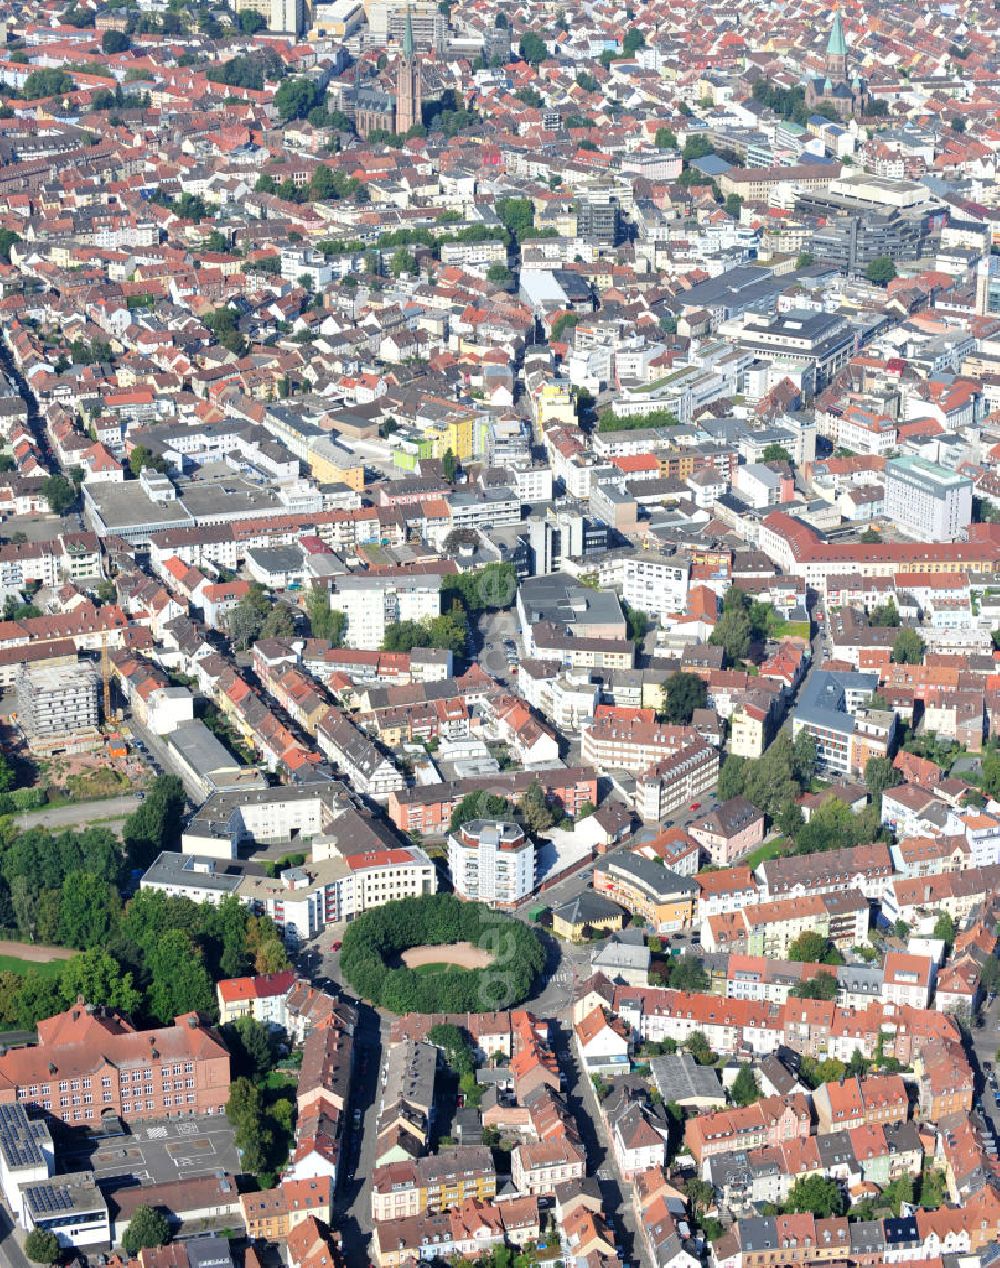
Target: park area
[438, 954]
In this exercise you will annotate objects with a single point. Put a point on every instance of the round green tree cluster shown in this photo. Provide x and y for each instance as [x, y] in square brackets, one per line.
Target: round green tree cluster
[374, 943]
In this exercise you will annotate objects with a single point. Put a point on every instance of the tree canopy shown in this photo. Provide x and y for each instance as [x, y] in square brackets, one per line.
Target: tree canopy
[369, 960]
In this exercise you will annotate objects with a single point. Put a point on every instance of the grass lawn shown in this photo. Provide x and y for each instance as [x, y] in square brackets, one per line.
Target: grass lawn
[11, 964]
[280, 1081]
[425, 969]
[792, 629]
[769, 850]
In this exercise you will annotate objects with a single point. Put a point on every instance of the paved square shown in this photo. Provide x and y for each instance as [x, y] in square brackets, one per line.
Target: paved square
[154, 1153]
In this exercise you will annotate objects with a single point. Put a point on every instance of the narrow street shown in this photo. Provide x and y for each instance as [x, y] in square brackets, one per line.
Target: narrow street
[352, 1203]
[616, 1194]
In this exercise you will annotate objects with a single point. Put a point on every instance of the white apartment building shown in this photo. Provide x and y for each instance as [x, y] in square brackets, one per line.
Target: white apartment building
[492, 862]
[372, 604]
[926, 501]
[657, 584]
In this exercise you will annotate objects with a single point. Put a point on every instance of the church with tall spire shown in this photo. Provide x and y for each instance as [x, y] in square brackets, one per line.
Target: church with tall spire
[379, 109]
[837, 87]
[409, 86]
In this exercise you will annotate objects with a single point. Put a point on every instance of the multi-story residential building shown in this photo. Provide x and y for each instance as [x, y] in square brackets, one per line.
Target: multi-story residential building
[272, 1214]
[856, 1102]
[927, 501]
[262, 997]
[833, 708]
[87, 1065]
[366, 765]
[657, 584]
[492, 862]
[674, 780]
[633, 744]
[372, 603]
[537, 1167]
[769, 1121]
[730, 832]
[428, 809]
[907, 979]
[864, 868]
[435, 1183]
[663, 898]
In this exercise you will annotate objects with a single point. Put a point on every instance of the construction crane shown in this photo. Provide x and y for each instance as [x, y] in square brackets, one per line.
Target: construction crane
[106, 677]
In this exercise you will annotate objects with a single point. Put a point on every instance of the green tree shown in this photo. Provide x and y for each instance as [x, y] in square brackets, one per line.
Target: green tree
[48, 82]
[683, 692]
[296, 97]
[449, 465]
[250, 22]
[885, 615]
[804, 758]
[944, 927]
[699, 1048]
[147, 1228]
[324, 621]
[745, 1090]
[179, 981]
[633, 41]
[279, 622]
[8, 239]
[517, 215]
[665, 139]
[141, 456]
[881, 270]
[897, 1192]
[533, 810]
[776, 453]
[89, 910]
[733, 206]
[402, 262]
[251, 1046]
[815, 1195]
[933, 1189]
[98, 977]
[901, 930]
[114, 42]
[60, 492]
[245, 621]
[532, 48]
[155, 825]
[822, 986]
[908, 648]
[880, 774]
[42, 1246]
[809, 948]
[733, 634]
[499, 274]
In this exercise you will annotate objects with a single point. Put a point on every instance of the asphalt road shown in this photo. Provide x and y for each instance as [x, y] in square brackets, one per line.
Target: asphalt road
[582, 1102]
[81, 812]
[164, 758]
[352, 1203]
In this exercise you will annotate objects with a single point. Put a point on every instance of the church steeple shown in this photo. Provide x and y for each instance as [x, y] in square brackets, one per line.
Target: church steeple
[409, 88]
[836, 51]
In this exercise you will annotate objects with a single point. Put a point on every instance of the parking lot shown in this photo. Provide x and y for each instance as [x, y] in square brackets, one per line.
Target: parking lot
[156, 1152]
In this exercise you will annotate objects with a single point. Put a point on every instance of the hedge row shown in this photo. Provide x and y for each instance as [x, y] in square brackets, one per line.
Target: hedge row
[374, 942]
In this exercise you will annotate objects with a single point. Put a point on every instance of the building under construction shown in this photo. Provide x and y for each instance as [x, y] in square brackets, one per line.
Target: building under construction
[58, 707]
